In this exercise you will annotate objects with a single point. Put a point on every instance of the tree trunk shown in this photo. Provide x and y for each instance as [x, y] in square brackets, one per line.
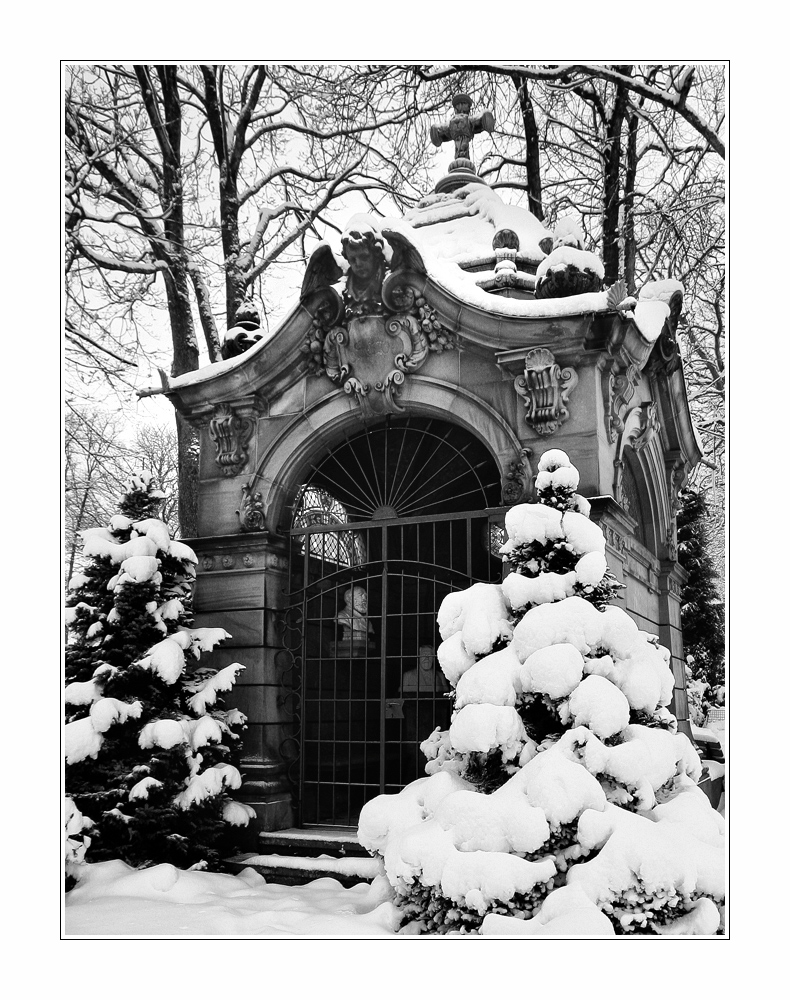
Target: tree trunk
[612, 155]
[188, 469]
[229, 146]
[532, 148]
[186, 356]
[629, 252]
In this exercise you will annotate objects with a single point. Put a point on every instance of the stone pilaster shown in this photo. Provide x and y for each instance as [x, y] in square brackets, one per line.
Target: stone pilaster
[242, 586]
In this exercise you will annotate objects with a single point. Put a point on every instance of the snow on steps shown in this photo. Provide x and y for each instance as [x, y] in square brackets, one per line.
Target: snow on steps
[298, 856]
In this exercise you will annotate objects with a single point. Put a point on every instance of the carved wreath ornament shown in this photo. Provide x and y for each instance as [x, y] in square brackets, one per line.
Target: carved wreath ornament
[545, 388]
[380, 329]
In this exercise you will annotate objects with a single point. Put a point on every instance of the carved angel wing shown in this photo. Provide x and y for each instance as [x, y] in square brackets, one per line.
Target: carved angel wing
[675, 309]
[323, 269]
[405, 256]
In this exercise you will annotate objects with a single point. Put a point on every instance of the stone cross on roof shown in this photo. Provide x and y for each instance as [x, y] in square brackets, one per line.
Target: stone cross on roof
[460, 129]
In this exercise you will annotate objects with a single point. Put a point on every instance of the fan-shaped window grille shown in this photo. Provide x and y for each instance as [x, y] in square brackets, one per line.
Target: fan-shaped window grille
[315, 506]
[405, 467]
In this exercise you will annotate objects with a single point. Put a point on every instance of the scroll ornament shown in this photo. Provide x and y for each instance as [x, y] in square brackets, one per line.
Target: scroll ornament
[231, 434]
[380, 329]
[621, 387]
[545, 388]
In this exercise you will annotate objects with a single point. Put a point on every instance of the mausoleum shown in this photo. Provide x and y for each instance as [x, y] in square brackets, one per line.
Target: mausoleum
[357, 463]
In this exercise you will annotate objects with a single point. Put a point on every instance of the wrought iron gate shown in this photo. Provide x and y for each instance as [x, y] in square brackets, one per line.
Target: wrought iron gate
[366, 688]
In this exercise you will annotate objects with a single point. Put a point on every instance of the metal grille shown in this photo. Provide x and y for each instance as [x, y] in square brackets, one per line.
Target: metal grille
[385, 525]
[367, 697]
[404, 467]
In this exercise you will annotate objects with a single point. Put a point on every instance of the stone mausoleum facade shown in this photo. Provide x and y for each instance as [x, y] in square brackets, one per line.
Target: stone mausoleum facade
[357, 463]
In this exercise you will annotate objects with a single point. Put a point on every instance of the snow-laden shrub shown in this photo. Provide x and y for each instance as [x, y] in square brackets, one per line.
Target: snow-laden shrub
[150, 749]
[562, 795]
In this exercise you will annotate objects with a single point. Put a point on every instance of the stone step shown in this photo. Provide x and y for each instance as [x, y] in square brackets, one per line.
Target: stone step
[295, 870]
[336, 841]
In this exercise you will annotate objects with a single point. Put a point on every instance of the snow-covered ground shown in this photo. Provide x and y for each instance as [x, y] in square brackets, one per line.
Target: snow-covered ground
[113, 899]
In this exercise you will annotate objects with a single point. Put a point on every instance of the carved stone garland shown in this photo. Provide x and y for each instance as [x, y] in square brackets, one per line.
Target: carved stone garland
[649, 426]
[621, 386]
[251, 514]
[545, 388]
[676, 474]
[231, 434]
[640, 425]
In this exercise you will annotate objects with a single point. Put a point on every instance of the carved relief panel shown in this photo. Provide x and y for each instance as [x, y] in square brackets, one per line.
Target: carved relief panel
[545, 388]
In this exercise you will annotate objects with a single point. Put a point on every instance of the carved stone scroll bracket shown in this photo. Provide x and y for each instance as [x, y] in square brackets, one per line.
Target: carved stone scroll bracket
[545, 388]
[648, 426]
[676, 467]
[251, 513]
[230, 431]
[640, 426]
[620, 386]
[676, 475]
[517, 484]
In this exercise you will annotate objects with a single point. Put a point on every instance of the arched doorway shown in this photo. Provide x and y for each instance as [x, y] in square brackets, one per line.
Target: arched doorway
[383, 527]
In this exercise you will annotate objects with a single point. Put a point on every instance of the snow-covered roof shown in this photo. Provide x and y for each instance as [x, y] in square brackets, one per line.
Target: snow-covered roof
[454, 234]
[460, 226]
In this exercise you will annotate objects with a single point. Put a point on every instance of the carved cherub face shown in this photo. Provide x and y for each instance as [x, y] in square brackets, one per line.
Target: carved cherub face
[462, 107]
[361, 261]
[364, 254]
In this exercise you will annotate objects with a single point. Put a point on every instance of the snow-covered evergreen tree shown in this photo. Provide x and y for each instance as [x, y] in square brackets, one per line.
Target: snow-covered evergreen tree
[148, 744]
[562, 794]
[701, 606]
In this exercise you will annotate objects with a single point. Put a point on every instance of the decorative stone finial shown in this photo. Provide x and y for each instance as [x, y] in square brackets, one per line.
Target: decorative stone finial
[246, 331]
[459, 130]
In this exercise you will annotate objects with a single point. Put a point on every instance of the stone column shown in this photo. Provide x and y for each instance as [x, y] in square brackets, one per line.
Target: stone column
[671, 582]
[242, 586]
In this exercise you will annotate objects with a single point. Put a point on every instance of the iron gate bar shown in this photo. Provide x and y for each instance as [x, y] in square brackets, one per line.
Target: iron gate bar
[384, 521]
[383, 658]
[417, 553]
[405, 497]
[405, 482]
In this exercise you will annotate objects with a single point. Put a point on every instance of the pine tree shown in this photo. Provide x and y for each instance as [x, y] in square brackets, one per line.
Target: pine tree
[701, 608]
[562, 794]
[149, 747]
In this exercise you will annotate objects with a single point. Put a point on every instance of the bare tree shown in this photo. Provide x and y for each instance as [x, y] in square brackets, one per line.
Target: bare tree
[189, 187]
[163, 159]
[98, 464]
[92, 460]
